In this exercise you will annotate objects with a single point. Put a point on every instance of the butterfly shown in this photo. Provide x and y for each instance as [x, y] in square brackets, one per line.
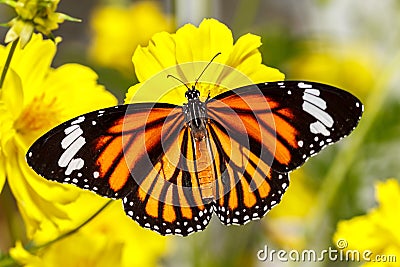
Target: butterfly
[175, 166]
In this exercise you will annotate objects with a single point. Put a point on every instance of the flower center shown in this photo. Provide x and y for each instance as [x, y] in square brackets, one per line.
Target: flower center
[40, 115]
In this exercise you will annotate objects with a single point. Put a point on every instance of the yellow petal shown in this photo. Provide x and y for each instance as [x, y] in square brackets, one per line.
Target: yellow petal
[247, 58]
[83, 86]
[12, 94]
[359, 233]
[159, 88]
[38, 200]
[78, 211]
[143, 250]
[131, 93]
[32, 64]
[159, 55]
[246, 46]
[263, 74]
[202, 43]
[104, 251]
[23, 257]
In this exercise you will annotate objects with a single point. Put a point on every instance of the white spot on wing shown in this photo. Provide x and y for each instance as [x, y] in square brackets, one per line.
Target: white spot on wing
[75, 164]
[304, 85]
[315, 92]
[318, 128]
[319, 114]
[78, 120]
[315, 100]
[71, 151]
[71, 129]
[300, 143]
[71, 137]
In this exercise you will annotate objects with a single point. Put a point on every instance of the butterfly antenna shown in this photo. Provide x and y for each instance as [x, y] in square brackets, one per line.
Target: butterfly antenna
[172, 76]
[209, 63]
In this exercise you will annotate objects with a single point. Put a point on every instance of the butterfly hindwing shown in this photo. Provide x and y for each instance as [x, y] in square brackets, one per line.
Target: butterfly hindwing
[166, 218]
[243, 203]
[247, 187]
[169, 199]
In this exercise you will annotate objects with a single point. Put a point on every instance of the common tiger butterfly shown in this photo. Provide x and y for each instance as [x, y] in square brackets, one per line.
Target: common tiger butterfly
[173, 166]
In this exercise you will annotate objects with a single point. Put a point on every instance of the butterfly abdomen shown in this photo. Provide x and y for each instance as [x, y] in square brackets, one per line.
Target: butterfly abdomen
[204, 170]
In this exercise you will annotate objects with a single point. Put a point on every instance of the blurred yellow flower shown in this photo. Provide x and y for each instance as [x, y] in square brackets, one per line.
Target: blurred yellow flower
[35, 98]
[191, 44]
[33, 15]
[378, 230]
[349, 67]
[117, 31]
[110, 239]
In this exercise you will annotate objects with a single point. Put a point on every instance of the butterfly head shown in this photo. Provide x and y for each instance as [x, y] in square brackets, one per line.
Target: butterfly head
[192, 94]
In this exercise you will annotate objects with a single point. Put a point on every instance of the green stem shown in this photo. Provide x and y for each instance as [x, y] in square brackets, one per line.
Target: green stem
[8, 62]
[346, 157]
[34, 248]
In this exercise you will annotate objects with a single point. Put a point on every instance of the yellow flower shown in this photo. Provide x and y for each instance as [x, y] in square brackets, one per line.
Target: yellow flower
[348, 67]
[33, 15]
[35, 98]
[239, 63]
[118, 30]
[378, 230]
[110, 239]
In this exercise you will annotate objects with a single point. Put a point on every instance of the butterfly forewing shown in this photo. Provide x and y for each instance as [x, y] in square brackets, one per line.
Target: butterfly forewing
[72, 152]
[88, 151]
[306, 117]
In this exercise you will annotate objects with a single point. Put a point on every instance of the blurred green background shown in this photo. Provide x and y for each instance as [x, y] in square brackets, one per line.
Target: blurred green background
[350, 44]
